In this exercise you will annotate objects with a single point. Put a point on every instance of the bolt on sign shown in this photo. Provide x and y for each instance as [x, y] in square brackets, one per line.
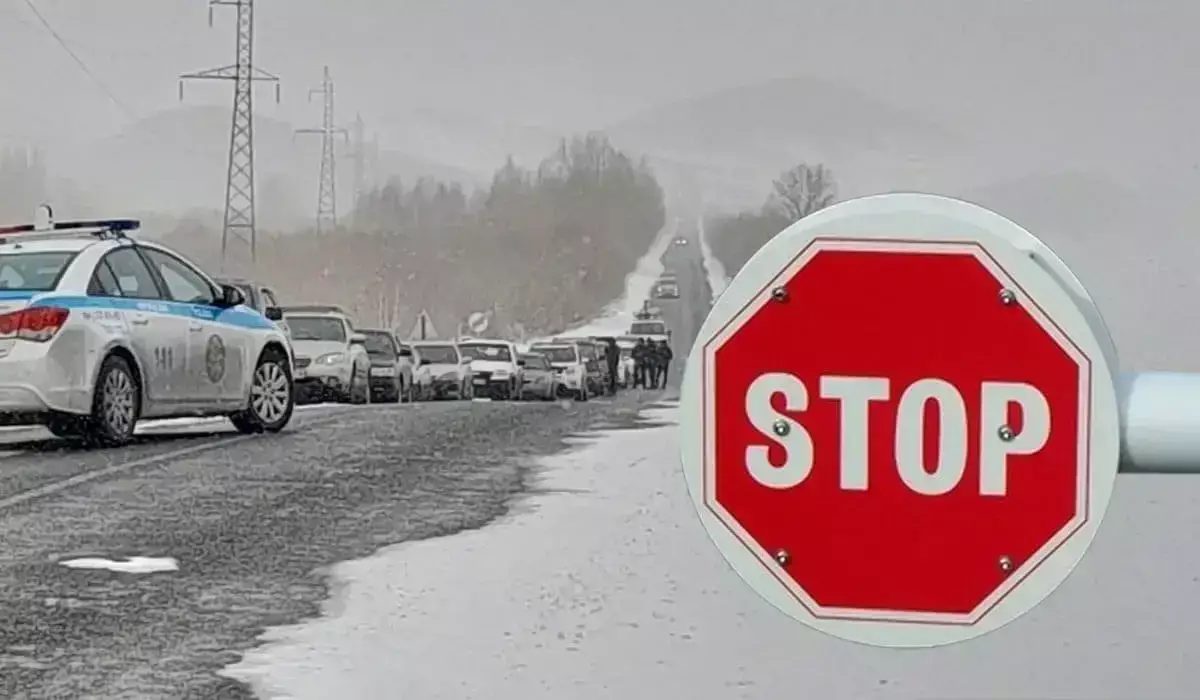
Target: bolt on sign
[900, 422]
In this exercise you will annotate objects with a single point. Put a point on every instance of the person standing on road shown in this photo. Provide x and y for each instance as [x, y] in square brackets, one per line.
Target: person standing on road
[665, 356]
[639, 363]
[612, 355]
[652, 363]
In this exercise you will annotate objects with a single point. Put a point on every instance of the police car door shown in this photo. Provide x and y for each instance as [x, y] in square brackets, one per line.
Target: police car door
[215, 349]
[158, 337]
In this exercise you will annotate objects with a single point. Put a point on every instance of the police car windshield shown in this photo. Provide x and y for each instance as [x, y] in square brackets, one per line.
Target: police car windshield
[317, 328]
[379, 343]
[438, 354]
[486, 351]
[648, 328]
[32, 272]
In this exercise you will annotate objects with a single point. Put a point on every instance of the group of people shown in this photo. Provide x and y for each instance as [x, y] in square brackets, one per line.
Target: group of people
[651, 363]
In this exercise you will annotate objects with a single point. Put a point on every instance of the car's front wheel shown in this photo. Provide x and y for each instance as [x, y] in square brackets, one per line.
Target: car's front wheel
[272, 397]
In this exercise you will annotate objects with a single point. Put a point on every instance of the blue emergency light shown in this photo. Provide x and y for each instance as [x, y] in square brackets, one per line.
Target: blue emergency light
[96, 226]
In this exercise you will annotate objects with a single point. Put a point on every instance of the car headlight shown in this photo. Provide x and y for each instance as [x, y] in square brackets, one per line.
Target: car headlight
[332, 358]
[451, 374]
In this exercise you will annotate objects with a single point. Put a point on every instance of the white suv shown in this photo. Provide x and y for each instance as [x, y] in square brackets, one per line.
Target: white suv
[496, 368]
[331, 358]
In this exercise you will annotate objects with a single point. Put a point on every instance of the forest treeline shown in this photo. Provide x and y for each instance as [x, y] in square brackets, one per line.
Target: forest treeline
[796, 193]
[540, 249]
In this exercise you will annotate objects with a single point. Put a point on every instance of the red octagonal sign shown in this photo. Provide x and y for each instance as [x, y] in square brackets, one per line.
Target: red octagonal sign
[900, 420]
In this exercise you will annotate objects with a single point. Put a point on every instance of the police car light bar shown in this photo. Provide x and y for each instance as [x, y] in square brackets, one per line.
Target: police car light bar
[57, 229]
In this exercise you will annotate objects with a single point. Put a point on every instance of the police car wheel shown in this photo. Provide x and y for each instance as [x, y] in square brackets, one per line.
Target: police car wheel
[116, 404]
[272, 397]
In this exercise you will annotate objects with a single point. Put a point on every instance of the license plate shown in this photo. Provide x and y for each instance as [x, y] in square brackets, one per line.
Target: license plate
[383, 372]
[481, 381]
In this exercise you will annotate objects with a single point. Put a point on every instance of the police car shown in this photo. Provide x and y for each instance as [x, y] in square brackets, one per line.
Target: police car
[98, 331]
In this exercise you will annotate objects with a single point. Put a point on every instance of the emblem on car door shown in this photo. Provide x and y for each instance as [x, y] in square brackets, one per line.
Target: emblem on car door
[214, 359]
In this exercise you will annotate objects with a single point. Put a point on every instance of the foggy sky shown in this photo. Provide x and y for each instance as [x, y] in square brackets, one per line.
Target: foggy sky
[1072, 76]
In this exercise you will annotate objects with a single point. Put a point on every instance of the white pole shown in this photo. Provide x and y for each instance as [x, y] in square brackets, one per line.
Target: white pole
[1160, 422]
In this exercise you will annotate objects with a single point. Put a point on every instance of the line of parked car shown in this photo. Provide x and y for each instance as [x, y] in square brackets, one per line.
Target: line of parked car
[336, 361]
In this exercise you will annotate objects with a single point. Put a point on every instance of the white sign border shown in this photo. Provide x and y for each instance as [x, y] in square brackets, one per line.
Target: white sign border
[1041, 281]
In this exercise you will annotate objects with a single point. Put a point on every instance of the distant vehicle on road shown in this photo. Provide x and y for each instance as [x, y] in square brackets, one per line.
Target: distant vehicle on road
[650, 329]
[569, 366]
[495, 368]
[681, 241]
[540, 379]
[442, 371]
[391, 376]
[666, 289]
[331, 360]
[99, 331]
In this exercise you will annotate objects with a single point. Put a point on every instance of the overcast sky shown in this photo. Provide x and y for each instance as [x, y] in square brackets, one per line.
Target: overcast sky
[1102, 68]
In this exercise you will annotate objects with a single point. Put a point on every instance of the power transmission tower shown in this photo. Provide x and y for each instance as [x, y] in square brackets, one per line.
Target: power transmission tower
[239, 179]
[359, 155]
[327, 189]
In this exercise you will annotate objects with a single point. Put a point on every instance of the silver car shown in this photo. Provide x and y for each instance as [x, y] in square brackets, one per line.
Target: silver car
[331, 360]
[539, 379]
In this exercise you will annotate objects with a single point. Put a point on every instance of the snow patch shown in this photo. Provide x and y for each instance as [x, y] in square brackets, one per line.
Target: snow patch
[131, 565]
[718, 279]
[603, 584]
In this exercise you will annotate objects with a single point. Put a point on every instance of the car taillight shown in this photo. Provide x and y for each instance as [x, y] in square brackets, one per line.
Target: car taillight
[37, 323]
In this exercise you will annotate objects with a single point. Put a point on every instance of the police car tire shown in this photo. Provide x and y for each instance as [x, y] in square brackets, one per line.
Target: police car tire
[248, 421]
[97, 430]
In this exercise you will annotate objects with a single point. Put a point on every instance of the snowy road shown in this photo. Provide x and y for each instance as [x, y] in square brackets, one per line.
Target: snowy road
[251, 522]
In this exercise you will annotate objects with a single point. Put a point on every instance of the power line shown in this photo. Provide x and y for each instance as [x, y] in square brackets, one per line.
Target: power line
[99, 83]
[79, 61]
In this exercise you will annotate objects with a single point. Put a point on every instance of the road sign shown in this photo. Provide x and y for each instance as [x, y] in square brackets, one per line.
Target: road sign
[478, 321]
[900, 423]
[423, 328]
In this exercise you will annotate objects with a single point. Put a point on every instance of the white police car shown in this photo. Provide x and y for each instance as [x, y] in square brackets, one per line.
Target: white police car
[98, 331]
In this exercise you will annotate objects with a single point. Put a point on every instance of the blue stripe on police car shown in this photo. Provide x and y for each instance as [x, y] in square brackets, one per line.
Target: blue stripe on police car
[238, 316]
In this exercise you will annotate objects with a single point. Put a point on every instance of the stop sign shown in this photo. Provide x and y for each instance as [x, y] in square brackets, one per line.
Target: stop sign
[900, 421]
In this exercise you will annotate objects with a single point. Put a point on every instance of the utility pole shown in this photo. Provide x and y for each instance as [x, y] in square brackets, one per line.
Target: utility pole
[239, 179]
[359, 156]
[327, 189]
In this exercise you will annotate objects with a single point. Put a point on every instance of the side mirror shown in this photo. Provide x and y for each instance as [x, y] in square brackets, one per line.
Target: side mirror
[405, 352]
[520, 363]
[273, 313]
[465, 361]
[232, 296]
[358, 339]
[425, 362]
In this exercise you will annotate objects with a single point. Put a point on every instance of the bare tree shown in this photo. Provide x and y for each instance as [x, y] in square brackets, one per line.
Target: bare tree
[802, 190]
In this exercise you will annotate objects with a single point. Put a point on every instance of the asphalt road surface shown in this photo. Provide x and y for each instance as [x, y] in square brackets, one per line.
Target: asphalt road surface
[251, 522]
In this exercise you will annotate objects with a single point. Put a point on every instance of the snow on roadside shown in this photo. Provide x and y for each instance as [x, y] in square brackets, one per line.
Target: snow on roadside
[616, 317]
[718, 279]
[604, 585]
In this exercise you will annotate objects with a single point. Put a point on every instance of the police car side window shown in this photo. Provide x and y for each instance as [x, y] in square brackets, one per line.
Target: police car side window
[183, 283]
[133, 277]
[104, 282]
